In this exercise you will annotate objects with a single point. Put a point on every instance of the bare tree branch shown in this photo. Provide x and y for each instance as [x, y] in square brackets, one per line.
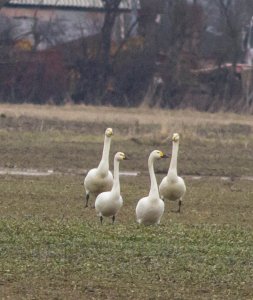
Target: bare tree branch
[124, 41]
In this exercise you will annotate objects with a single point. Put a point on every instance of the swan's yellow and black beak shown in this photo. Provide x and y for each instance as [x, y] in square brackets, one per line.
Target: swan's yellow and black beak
[175, 137]
[126, 157]
[162, 155]
[109, 132]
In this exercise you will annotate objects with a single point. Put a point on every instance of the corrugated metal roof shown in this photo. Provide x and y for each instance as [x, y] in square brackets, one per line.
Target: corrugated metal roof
[125, 4]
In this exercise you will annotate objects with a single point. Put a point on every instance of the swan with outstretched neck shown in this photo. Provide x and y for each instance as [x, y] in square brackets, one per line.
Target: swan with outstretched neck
[108, 204]
[100, 179]
[149, 210]
[173, 186]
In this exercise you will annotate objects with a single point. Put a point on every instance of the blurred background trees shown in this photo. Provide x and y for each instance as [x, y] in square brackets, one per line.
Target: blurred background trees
[169, 53]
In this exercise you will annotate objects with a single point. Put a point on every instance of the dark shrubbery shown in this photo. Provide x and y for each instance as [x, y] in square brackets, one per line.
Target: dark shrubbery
[34, 77]
[156, 67]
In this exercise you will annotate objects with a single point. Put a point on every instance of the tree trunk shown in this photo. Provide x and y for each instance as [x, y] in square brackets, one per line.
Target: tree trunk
[111, 8]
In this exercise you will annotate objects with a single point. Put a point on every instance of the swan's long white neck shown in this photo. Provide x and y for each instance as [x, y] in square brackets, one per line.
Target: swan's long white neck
[103, 166]
[116, 184]
[173, 161]
[153, 187]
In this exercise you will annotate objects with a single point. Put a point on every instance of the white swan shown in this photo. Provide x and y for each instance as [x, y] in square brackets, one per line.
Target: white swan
[172, 186]
[100, 179]
[149, 210]
[107, 204]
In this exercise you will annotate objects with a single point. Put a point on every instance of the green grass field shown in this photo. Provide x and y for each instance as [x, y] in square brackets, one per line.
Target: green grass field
[51, 247]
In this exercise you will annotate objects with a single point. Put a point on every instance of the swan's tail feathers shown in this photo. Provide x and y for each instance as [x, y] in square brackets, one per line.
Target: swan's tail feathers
[101, 219]
[113, 219]
[179, 205]
[87, 199]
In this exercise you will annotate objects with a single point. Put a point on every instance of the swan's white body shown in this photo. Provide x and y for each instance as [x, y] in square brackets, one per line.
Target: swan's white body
[149, 210]
[172, 186]
[108, 204]
[100, 179]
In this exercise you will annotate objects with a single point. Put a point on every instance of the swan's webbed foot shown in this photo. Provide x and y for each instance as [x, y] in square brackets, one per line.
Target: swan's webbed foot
[101, 220]
[113, 219]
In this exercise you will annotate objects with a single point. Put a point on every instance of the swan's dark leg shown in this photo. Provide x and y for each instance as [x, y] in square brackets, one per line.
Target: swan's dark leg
[179, 205]
[113, 219]
[101, 220]
[87, 199]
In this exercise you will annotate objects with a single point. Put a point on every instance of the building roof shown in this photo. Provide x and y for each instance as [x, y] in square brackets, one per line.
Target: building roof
[71, 4]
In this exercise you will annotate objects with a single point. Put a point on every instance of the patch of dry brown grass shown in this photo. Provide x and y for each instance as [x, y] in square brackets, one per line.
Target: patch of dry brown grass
[62, 138]
[164, 118]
